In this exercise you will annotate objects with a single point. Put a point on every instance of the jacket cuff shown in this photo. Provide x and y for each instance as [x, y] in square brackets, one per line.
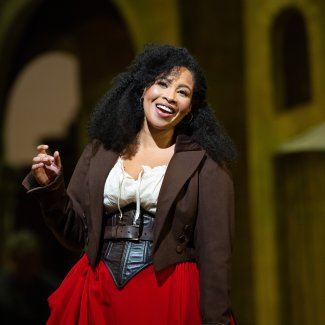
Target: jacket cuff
[32, 186]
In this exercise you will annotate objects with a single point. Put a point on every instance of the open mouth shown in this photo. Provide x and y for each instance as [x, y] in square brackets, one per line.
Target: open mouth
[165, 109]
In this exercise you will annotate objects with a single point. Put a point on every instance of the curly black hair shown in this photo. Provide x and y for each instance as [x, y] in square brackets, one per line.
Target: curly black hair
[118, 117]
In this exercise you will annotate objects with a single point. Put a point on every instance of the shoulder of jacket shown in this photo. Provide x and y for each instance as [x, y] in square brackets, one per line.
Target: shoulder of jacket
[212, 165]
[95, 145]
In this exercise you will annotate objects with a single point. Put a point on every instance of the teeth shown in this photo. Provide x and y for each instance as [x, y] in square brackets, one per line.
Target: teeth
[165, 108]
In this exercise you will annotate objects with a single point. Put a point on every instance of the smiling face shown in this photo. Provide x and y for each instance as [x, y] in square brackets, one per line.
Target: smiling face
[169, 99]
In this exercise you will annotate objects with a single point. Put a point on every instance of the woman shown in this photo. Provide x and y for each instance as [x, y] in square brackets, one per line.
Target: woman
[150, 202]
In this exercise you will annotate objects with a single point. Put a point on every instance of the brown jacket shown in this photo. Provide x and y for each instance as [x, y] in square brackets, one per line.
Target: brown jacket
[194, 216]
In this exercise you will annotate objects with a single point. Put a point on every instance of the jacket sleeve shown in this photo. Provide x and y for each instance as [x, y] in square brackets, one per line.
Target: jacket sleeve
[213, 242]
[63, 209]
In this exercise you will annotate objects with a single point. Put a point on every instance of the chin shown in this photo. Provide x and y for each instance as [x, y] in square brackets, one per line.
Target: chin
[161, 127]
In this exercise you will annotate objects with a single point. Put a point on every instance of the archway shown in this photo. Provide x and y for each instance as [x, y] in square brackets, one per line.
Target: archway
[96, 46]
[43, 103]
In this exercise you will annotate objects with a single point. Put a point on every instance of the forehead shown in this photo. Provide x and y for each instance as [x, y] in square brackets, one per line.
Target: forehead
[180, 74]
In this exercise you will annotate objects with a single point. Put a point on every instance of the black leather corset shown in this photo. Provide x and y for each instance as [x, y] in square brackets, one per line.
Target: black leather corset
[127, 247]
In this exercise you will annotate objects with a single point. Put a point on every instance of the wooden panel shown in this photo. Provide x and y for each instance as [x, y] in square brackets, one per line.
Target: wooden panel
[300, 188]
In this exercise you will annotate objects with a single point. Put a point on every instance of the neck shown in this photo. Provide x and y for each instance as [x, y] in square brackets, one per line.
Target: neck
[153, 138]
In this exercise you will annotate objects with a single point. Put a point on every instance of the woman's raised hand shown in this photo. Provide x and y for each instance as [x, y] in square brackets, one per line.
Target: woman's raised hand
[46, 167]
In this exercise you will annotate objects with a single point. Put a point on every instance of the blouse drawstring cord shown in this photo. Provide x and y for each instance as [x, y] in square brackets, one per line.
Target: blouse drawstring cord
[119, 196]
[137, 211]
[138, 201]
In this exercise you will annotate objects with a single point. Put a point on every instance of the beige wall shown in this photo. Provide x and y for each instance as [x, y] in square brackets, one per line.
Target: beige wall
[269, 129]
[151, 21]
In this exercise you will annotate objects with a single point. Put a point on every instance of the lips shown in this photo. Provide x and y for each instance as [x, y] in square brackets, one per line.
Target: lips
[165, 109]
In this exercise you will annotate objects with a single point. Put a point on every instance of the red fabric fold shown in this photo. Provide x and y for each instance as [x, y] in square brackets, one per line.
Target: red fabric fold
[88, 297]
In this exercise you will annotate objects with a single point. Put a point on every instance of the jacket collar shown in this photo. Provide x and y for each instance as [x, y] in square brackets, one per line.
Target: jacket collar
[185, 143]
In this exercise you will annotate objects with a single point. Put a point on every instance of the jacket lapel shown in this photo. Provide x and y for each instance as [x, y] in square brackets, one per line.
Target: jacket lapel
[182, 165]
[100, 165]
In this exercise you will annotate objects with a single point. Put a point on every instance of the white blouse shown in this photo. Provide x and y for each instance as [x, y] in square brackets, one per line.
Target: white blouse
[122, 189]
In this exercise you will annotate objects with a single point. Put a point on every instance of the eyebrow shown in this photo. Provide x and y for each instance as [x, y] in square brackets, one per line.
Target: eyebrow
[168, 79]
[186, 86]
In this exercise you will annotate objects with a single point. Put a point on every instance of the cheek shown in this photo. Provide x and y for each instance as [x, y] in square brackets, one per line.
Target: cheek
[186, 107]
[151, 93]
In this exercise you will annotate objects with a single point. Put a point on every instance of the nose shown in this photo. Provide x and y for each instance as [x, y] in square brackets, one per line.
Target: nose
[169, 96]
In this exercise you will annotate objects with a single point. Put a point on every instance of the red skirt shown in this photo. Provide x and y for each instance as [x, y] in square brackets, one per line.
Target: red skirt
[88, 297]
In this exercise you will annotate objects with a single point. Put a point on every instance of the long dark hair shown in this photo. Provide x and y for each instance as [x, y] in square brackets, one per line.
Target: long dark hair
[118, 117]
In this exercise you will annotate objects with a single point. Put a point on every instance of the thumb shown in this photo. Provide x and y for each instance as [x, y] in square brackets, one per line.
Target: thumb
[57, 159]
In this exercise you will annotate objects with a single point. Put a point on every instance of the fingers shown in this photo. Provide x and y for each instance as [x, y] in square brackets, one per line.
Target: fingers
[44, 160]
[42, 148]
[42, 156]
[39, 165]
[57, 159]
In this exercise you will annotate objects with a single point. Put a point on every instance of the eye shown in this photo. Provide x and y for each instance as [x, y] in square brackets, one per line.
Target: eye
[162, 83]
[183, 92]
